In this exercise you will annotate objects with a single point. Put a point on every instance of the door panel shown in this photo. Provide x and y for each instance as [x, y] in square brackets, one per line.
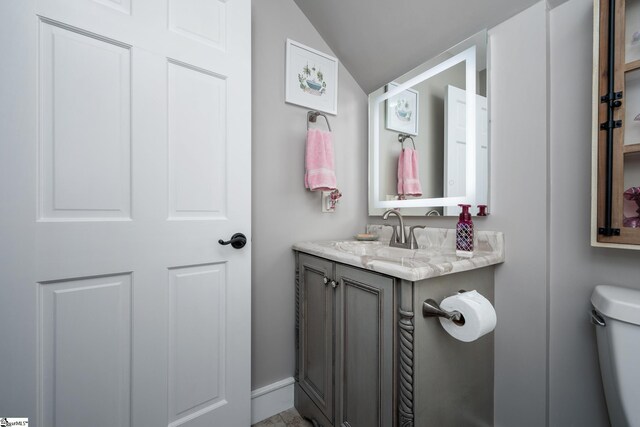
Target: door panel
[316, 334]
[482, 152]
[455, 173]
[85, 351]
[120, 181]
[196, 338]
[123, 6]
[455, 153]
[364, 348]
[85, 93]
[197, 143]
[203, 21]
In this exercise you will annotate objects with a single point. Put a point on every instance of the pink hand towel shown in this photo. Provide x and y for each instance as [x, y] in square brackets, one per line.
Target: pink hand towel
[320, 172]
[408, 176]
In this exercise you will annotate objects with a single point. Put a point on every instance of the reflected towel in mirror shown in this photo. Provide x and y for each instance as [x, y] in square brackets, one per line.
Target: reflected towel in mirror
[408, 175]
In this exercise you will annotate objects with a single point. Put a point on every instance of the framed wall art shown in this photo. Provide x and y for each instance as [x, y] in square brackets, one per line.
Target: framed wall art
[311, 78]
[402, 111]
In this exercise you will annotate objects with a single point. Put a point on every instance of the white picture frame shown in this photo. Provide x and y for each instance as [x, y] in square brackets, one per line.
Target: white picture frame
[311, 78]
[402, 111]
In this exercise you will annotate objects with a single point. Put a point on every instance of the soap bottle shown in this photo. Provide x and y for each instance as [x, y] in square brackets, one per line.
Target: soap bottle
[464, 233]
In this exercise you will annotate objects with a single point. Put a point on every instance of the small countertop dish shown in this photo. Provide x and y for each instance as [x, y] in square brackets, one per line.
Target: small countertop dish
[435, 257]
[366, 237]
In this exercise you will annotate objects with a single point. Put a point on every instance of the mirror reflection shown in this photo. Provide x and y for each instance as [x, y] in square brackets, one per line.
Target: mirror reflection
[429, 135]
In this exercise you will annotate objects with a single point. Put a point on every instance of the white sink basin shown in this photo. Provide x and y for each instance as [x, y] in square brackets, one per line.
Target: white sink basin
[384, 251]
[377, 249]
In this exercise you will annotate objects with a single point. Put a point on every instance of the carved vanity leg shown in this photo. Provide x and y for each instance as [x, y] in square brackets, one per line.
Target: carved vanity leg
[406, 369]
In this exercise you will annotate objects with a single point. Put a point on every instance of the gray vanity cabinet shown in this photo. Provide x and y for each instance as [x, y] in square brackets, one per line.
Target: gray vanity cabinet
[367, 357]
[345, 344]
[315, 331]
[364, 348]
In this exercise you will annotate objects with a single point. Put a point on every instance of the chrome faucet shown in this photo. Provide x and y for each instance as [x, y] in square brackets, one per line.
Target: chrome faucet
[398, 239]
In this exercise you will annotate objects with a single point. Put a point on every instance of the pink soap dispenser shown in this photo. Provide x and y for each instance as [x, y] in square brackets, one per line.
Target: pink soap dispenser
[464, 233]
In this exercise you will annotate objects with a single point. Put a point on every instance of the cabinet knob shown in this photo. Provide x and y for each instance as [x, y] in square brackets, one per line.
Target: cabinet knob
[334, 284]
[326, 280]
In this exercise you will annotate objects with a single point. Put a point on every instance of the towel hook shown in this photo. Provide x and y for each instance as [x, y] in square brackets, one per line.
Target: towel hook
[403, 136]
[312, 116]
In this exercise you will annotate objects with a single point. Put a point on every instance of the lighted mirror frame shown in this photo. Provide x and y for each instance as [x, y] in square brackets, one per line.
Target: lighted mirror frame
[469, 57]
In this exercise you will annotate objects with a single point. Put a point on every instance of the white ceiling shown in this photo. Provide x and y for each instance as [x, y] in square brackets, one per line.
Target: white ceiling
[378, 40]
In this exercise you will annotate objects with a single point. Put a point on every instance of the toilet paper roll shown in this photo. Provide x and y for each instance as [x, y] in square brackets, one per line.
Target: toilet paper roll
[479, 316]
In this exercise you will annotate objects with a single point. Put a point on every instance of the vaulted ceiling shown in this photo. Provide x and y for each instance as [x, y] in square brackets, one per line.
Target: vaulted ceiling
[378, 40]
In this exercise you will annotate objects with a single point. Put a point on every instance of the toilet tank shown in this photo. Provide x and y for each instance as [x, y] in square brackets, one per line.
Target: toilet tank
[617, 316]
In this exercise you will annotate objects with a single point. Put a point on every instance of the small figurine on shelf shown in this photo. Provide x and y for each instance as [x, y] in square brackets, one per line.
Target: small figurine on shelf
[631, 195]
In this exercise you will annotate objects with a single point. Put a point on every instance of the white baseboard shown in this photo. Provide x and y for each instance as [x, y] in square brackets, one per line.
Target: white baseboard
[271, 399]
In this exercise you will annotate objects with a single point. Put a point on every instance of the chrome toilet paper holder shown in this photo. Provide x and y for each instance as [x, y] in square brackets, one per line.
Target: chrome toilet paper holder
[430, 308]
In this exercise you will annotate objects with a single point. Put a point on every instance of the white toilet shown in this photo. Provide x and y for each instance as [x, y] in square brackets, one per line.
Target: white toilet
[617, 317]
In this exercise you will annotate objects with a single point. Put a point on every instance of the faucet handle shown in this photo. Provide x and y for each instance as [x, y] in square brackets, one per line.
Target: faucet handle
[399, 236]
[413, 242]
[394, 234]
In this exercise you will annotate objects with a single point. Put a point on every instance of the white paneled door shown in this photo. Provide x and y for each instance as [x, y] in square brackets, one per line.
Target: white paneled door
[124, 157]
[455, 153]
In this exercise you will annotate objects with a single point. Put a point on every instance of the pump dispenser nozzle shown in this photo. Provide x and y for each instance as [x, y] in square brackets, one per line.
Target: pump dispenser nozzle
[465, 215]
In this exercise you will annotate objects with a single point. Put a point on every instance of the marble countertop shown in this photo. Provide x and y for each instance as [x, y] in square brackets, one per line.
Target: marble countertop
[435, 257]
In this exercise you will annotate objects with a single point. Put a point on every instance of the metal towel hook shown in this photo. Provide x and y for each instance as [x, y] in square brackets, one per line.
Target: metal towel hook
[312, 116]
[403, 136]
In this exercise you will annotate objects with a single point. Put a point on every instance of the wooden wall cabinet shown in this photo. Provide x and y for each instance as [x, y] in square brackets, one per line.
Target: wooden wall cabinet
[616, 121]
[367, 357]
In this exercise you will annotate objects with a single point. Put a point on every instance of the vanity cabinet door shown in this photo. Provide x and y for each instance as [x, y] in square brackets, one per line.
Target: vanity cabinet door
[364, 348]
[315, 355]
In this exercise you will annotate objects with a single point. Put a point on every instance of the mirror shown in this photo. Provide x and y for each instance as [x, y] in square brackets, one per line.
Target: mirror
[428, 135]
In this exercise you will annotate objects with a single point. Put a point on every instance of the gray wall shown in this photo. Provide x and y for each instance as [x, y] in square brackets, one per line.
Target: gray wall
[283, 211]
[519, 205]
[519, 197]
[575, 388]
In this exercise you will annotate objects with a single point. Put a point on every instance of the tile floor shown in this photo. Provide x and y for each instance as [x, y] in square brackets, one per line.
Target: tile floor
[288, 418]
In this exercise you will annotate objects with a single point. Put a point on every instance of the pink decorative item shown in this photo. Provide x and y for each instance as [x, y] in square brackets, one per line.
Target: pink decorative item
[320, 172]
[334, 197]
[408, 175]
[631, 222]
[631, 209]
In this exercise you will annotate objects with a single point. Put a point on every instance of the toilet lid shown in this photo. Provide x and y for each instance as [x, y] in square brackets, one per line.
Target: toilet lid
[617, 303]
